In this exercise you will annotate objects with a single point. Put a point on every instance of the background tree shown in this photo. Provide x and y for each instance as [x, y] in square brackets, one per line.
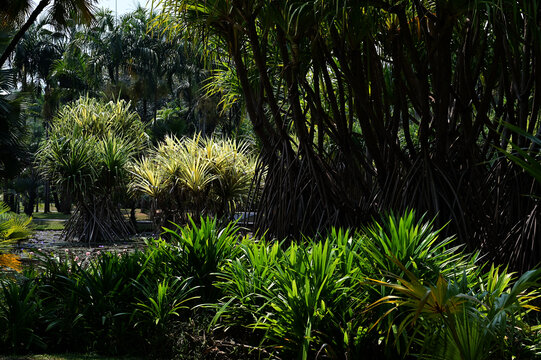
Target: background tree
[60, 13]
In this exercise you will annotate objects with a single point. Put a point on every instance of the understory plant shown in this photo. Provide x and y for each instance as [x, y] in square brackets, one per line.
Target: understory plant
[393, 289]
[456, 318]
[13, 227]
[193, 177]
[345, 295]
[86, 155]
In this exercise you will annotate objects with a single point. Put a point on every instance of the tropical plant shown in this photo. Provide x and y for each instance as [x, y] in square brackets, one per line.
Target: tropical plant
[317, 298]
[13, 227]
[12, 127]
[88, 303]
[60, 12]
[161, 301]
[304, 301]
[415, 244]
[195, 176]
[528, 159]
[201, 250]
[458, 319]
[20, 310]
[87, 156]
[405, 114]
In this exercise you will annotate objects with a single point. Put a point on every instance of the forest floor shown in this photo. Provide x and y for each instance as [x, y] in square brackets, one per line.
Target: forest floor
[64, 357]
[50, 242]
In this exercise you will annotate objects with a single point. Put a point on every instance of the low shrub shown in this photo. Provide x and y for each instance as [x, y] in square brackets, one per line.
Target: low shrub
[393, 289]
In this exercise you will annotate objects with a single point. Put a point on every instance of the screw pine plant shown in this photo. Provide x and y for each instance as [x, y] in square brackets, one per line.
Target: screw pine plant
[405, 113]
[194, 177]
[460, 317]
[87, 154]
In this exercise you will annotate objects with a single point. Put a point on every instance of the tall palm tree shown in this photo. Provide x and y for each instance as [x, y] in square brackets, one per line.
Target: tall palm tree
[59, 12]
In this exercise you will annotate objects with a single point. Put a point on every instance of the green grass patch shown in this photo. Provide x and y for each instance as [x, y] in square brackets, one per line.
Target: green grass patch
[50, 215]
[48, 225]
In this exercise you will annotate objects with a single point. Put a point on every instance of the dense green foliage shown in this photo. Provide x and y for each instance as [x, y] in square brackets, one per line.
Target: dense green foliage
[194, 176]
[86, 155]
[369, 106]
[358, 109]
[343, 295]
[110, 58]
[13, 227]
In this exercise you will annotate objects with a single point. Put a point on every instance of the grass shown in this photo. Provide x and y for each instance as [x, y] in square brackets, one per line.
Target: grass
[50, 216]
[48, 225]
[48, 221]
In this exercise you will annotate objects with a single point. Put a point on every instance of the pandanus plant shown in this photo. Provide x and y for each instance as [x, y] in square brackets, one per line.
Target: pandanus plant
[86, 155]
[192, 176]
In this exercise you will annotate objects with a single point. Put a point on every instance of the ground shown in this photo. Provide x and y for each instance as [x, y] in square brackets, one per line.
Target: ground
[64, 357]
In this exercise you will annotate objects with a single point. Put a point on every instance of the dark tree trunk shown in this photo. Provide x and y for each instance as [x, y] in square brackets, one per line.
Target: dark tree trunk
[46, 196]
[64, 202]
[133, 220]
[29, 205]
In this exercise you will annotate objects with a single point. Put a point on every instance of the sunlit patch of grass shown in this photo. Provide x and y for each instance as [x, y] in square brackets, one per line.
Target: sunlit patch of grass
[50, 215]
[48, 225]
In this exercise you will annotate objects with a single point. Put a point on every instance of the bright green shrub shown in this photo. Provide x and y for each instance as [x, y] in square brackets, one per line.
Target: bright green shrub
[301, 298]
[325, 297]
[201, 251]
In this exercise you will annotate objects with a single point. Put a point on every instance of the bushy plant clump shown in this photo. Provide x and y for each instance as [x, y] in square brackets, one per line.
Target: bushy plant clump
[193, 176]
[115, 303]
[393, 289]
[86, 155]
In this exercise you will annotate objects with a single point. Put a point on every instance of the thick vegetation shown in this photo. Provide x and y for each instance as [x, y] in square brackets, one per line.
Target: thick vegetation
[87, 154]
[394, 289]
[357, 108]
[367, 106]
[194, 176]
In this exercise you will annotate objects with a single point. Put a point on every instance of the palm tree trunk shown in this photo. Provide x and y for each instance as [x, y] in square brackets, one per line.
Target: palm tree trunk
[13, 43]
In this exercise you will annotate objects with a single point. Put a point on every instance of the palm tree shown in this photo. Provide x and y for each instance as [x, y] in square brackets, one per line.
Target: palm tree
[60, 12]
